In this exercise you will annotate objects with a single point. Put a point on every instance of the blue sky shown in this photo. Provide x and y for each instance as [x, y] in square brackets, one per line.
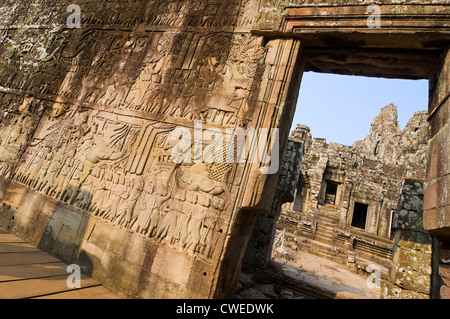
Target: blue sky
[341, 108]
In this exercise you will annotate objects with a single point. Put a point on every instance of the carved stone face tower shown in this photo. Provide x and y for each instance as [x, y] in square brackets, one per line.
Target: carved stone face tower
[93, 118]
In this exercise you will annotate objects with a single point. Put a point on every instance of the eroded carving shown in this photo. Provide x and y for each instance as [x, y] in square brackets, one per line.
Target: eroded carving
[92, 161]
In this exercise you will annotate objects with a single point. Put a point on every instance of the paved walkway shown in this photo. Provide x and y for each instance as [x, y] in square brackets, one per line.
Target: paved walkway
[29, 273]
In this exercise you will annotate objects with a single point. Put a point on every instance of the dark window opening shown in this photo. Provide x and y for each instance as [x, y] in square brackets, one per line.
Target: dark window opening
[393, 225]
[330, 193]
[359, 215]
[375, 151]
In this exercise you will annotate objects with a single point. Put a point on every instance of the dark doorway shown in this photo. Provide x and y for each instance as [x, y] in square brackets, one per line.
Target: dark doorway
[359, 215]
[331, 192]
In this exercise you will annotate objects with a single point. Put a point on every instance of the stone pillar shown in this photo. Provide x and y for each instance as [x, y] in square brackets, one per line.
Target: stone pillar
[437, 200]
[410, 274]
[274, 109]
[259, 249]
[103, 181]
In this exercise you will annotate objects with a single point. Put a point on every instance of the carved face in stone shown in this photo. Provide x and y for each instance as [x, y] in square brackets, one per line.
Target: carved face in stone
[149, 187]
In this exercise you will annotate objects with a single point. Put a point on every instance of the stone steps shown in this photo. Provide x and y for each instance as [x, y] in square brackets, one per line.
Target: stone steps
[324, 250]
[341, 251]
[322, 235]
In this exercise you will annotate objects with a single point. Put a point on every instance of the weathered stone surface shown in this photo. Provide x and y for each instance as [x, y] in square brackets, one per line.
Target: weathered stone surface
[259, 249]
[335, 178]
[88, 113]
[375, 172]
[412, 267]
[391, 291]
[389, 144]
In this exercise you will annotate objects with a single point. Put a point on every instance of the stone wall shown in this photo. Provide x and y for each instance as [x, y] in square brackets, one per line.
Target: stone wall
[436, 201]
[259, 249]
[86, 138]
[389, 144]
[88, 116]
[410, 276]
[370, 173]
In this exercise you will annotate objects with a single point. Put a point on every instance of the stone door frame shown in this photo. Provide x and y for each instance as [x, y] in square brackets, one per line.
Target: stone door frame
[412, 42]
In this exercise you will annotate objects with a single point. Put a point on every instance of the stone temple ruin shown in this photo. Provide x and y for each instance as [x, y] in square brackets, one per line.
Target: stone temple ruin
[98, 101]
[348, 203]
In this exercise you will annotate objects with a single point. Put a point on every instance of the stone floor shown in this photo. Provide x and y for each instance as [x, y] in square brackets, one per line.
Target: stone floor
[327, 275]
[306, 276]
[29, 273]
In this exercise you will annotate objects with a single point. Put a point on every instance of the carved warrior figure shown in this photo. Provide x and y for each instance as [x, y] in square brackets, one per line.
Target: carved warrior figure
[148, 218]
[51, 175]
[14, 140]
[97, 150]
[81, 166]
[151, 74]
[127, 216]
[100, 192]
[117, 190]
[40, 182]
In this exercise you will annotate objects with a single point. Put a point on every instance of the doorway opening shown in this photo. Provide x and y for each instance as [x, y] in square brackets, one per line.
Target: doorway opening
[329, 215]
[341, 108]
[359, 215]
[331, 192]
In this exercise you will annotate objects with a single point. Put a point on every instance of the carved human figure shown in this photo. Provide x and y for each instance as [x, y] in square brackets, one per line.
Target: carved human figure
[194, 232]
[20, 131]
[168, 216]
[33, 166]
[151, 73]
[99, 194]
[118, 188]
[52, 173]
[188, 210]
[40, 181]
[131, 59]
[206, 235]
[148, 218]
[71, 189]
[128, 216]
[104, 203]
[16, 142]
[62, 179]
[97, 149]
[83, 199]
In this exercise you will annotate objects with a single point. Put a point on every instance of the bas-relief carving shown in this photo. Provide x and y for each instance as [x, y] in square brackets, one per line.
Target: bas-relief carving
[174, 13]
[17, 125]
[92, 160]
[118, 168]
[141, 70]
[35, 62]
[167, 74]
